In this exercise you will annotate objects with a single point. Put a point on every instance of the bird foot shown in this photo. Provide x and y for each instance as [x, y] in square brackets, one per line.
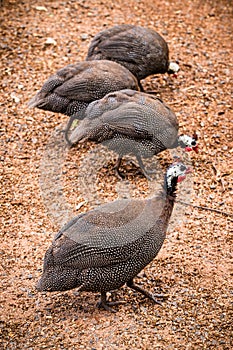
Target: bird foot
[102, 303]
[118, 174]
[147, 294]
[146, 174]
[105, 306]
[142, 169]
[116, 169]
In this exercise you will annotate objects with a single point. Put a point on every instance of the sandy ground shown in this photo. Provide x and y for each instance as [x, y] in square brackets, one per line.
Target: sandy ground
[41, 188]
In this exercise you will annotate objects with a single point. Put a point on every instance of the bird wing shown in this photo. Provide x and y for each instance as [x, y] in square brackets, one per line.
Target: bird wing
[128, 43]
[123, 49]
[78, 88]
[138, 121]
[96, 80]
[108, 234]
[105, 35]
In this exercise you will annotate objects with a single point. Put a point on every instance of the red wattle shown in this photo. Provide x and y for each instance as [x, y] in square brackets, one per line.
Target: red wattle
[188, 149]
[181, 178]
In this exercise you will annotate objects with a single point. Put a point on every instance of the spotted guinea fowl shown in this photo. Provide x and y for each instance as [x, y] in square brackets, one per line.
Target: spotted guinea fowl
[141, 50]
[131, 122]
[73, 87]
[105, 248]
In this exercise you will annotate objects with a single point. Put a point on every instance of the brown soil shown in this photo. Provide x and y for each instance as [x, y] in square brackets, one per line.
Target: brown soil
[194, 266]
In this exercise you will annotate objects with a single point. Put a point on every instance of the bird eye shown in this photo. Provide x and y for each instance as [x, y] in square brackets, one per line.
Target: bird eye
[193, 143]
[182, 168]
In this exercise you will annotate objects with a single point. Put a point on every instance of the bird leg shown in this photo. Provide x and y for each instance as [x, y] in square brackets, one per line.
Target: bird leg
[68, 127]
[140, 86]
[116, 168]
[106, 305]
[143, 169]
[141, 165]
[150, 171]
[149, 295]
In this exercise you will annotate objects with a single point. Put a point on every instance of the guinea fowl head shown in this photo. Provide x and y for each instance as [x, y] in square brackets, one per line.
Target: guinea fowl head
[173, 68]
[188, 142]
[176, 173]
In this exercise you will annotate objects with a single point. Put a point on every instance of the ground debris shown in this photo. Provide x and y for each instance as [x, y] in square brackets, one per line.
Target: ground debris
[194, 266]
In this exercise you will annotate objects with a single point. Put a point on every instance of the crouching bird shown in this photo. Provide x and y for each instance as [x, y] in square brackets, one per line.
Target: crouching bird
[141, 50]
[74, 86]
[131, 122]
[104, 248]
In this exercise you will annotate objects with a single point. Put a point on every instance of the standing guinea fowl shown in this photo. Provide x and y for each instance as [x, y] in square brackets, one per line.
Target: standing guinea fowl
[105, 248]
[141, 50]
[131, 122]
[73, 87]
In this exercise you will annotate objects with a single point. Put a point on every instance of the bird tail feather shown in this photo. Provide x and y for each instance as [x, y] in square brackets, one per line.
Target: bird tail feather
[36, 101]
[78, 134]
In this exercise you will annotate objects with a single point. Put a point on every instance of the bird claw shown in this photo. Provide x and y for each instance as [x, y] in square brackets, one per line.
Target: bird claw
[105, 306]
[154, 297]
[102, 303]
[119, 175]
[147, 294]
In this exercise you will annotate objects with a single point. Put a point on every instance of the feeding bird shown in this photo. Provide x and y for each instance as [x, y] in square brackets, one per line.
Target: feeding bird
[141, 50]
[131, 122]
[73, 87]
[104, 248]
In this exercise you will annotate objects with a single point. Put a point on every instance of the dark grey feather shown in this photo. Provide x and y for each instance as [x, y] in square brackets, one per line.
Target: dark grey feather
[104, 248]
[73, 87]
[141, 50]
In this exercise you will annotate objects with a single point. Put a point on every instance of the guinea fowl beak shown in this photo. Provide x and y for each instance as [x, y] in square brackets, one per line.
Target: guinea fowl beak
[188, 171]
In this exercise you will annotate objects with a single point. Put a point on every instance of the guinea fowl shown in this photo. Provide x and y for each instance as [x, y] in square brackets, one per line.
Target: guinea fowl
[141, 50]
[73, 87]
[105, 248]
[131, 122]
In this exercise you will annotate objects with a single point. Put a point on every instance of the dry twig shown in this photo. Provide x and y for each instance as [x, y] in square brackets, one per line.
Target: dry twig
[206, 208]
